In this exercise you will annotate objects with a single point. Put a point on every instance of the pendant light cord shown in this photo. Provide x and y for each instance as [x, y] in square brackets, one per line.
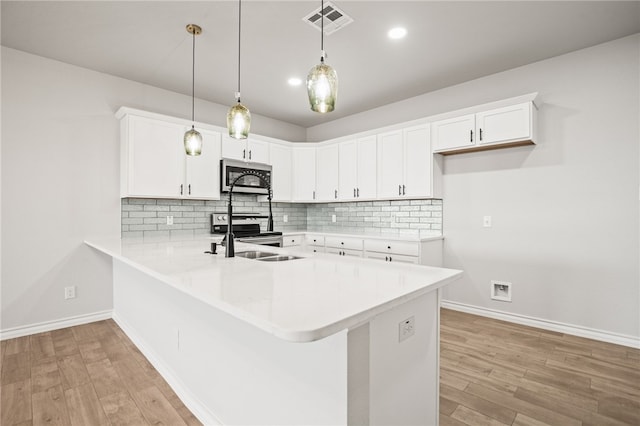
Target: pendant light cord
[193, 79]
[239, 32]
[322, 31]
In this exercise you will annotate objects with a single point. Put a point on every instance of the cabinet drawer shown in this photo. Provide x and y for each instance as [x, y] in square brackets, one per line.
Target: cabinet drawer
[343, 243]
[291, 240]
[391, 257]
[396, 247]
[343, 252]
[315, 240]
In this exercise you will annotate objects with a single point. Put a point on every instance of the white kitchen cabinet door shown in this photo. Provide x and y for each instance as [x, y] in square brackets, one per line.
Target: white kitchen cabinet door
[257, 151]
[504, 125]
[327, 173]
[249, 150]
[234, 148]
[417, 162]
[452, 133]
[390, 159]
[281, 160]
[203, 171]
[348, 170]
[367, 165]
[155, 163]
[304, 174]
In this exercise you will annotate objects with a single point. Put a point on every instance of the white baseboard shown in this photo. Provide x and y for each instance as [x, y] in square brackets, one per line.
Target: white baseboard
[196, 407]
[574, 330]
[27, 330]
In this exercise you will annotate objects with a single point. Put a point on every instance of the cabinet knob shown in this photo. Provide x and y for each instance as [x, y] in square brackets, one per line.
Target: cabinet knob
[389, 247]
[342, 242]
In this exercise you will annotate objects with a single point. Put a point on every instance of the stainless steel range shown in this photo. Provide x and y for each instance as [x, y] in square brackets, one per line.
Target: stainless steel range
[246, 228]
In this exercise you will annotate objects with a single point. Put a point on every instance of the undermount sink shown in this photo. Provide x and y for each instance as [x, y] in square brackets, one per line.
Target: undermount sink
[280, 258]
[253, 254]
[265, 256]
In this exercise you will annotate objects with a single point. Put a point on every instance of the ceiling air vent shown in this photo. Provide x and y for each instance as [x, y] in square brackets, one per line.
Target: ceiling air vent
[334, 18]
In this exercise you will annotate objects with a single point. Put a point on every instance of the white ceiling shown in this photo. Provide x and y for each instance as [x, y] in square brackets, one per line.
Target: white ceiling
[447, 43]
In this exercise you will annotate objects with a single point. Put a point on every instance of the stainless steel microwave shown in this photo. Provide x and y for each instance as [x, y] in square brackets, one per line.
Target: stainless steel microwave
[250, 183]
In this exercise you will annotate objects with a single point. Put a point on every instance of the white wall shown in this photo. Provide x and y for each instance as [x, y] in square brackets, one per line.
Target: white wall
[565, 212]
[60, 180]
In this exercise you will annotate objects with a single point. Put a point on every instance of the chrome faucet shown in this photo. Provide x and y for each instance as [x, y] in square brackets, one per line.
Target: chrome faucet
[229, 238]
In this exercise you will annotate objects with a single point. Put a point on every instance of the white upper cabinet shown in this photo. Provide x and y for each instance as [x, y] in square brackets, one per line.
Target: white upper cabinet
[504, 125]
[154, 164]
[358, 169]
[405, 163]
[418, 167]
[454, 132]
[203, 171]
[281, 174]
[390, 164]
[495, 128]
[304, 174]
[327, 173]
[249, 150]
[153, 158]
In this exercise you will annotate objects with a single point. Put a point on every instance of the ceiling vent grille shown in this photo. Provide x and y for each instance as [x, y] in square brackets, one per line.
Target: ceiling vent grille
[334, 18]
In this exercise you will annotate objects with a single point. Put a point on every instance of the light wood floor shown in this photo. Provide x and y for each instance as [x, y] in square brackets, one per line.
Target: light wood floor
[86, 375]
[492, 373]
[498, 373]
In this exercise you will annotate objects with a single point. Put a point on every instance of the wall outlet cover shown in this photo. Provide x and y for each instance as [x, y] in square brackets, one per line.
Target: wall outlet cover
[501, 290]
[169, 220]
[406, 328]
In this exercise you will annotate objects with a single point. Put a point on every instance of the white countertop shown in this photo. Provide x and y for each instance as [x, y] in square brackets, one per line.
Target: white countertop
[299, 300]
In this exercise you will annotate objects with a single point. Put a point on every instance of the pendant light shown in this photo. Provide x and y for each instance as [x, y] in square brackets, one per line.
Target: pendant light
[322, 81]
[193, 138]
[239, 117]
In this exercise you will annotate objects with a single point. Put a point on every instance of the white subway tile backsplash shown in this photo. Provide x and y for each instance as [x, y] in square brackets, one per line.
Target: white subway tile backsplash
[147, 217]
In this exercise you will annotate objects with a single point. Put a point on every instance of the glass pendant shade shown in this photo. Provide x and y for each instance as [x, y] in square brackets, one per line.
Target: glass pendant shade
[322, 87]
[239, 121]
[193, 142]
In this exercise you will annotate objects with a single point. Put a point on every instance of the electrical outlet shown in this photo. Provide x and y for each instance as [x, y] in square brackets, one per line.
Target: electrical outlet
[285, 218]
[169, 220]
[406, 329]
[486, 221]
[70, 292]
[333, 218]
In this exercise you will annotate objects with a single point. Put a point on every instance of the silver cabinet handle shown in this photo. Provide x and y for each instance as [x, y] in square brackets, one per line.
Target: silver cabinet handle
[358, 192]
[481, 135]
[471, 136]
[386, 258]
[354, 192]
[390, 259]
[181, 187]
[189, 189]
[314, 195]
[403, 193]
[249, 154]
[336, 193]
[399, 189]
[244, 153]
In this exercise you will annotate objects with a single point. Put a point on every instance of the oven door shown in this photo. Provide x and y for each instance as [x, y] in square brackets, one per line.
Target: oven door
[232, 169]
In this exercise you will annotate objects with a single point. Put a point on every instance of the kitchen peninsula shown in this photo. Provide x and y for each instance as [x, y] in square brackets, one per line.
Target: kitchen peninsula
[321, 339]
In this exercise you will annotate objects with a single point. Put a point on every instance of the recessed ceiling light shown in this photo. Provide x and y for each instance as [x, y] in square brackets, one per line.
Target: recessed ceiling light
[397, 33]
[294, 81]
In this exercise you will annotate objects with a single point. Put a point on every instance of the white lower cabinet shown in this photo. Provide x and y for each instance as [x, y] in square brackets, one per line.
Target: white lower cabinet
[392, 250]
[314, 243]
[343, 246]
[292, 240]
